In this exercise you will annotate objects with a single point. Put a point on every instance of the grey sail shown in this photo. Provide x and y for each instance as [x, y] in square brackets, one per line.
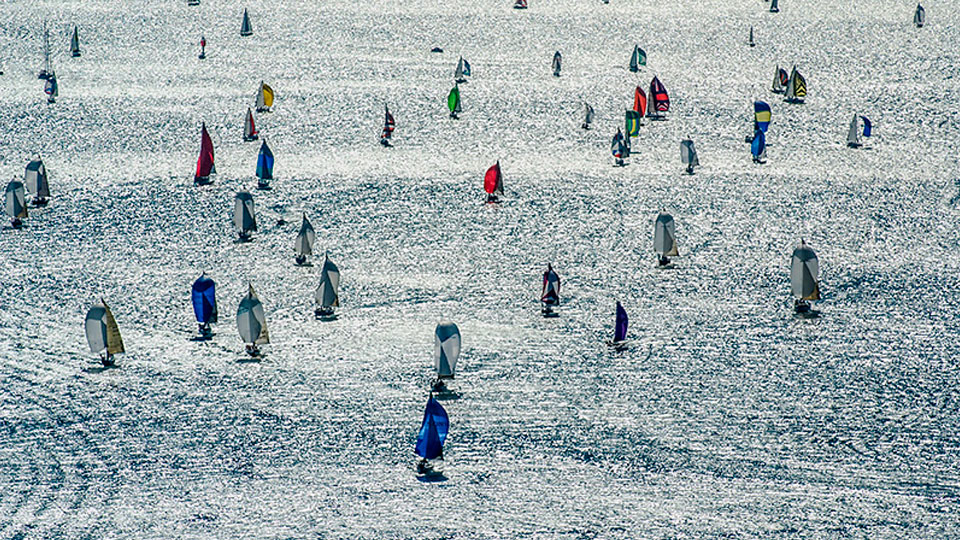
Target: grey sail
[243, 216]
[327, 295]
[305, 238]
[251, 319]
[446, 349]
[665, 236]
[853, 134]
[15, 200]
[75, 42]
[688, 154]
[805, 273]
[35, 177]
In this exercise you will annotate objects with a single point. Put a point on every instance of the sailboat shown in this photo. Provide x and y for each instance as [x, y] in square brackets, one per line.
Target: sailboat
[430, 438]
[15, 203]
[250, 132]
[758, 147]
[659, 100]
[388, 126]
[303, 246]
[264, 166]
[619, 328]
[631, 123]
[520, 4]
[204, 299]
[780, 80]
[688, 155]
[326, 296]
[103, 334]
[45, 71]
[556, 63]
[750, 41]
[453, 101]
[853, 134]
[243, 217]
[761, 115]
[264, 98]
[252, 322]
[51, 88]
[804, 276]
[796, 87]
[588, 117]
[462, 72]
[35, 178]
[774, 6]
[203, 47]
[246, 29]
[446, 351]
[550, 294]
[919, 16]
[619, 149]
[665, 239]
[205, 165]
[637, 58]
[493, 183]
[75, 43]
[639, 101]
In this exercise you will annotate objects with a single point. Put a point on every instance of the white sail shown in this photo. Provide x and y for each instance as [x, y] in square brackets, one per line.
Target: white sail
[665, 236]
[102, 331]
[805, 273]
[588, 119]
[261, 101]
[305, 238]
[248, 126]
[327, 292]
[777, 86]
[35, 177]
[458, 73]
[15, 200]
[243, 217]
[853, 134]
[245, 28]
[446, 349]
[688, 154]
[251, 320]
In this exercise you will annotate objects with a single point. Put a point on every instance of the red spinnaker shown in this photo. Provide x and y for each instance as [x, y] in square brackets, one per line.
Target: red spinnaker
[205, 161]
[492, 179]
[658, 94]
[640, 101]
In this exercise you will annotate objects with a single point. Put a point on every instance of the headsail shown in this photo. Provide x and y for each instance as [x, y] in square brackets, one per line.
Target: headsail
[251, 319]
[305, 238]
[35, 178]
[761, 115]
[493, 180]
[246, 29]
[243, 216]
[665, 236]
[433, 431]
[204, 298]
[446, 349]
[620, 326]
[805, 273]
[327, 295]
[867, 126]
[265, 163]
[16, 200]
[639, 101]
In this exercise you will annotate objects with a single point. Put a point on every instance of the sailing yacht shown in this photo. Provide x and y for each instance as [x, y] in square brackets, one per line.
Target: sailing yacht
[15, 203]
[462, 72]
[493, 183]
[688, 155]
[446, 351]
[520, 4]
[780, 80]
[557, 58]
[750, 41]
[588, 117]
[303, 246]
[203, 47]
[631, 123]
[243, 216]
[919, 16]
[639, 102]
[246, 29]
[796, 87]
[264, 166]
[252, 323]
[550, 293]
[264, 98]
[665, 239]
[619, 328]
[103, 334]
[250, 132]
[205, 165]
[75, 43]
[35, 178]
[804, 277]
[453, 102]
[430, 438]
[659, 100]
[637, 58]
[853, 134]
[619, 149]
[774, 6]
[327, 296]
[51, 88]
[388, 126]
[204, 299]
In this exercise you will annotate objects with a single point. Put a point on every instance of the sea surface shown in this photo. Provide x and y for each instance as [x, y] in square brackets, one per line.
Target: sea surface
[725, 417]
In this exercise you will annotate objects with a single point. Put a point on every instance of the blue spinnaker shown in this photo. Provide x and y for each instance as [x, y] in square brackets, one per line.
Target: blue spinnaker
[204, 300]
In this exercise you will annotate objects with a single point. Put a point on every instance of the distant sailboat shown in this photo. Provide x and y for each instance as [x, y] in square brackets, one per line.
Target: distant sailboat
[389, 124]
[462, 72]
[446, 351]
[15, 198]
[780, 80]
[758, 147]
[430, 438]
[193, 2]
[264, 166]
[637, 58]
[557, 58]
[804, 276]
[665, 239]
[75, 43]
[246, 29]
[853, 134]
[204, 298]
[252, 323]
[796, 87]
[619, 149]
[250, 132]
[761, 116]
[205, 165]
[550, 294]
[620, 327]
[264, 98]
[327, 296]
[303, 246]
[750, 41]
[774, 6]
[46, 70]
[639, 101]
[103, 334]
[631, 123]
[520, 4]
[919, 16]
[243, 216]
[688, 155]
[453, 102]
[588, 117]
[203, 47]
[493, 183]
[35, 178]
[51, 88]
[659, 100]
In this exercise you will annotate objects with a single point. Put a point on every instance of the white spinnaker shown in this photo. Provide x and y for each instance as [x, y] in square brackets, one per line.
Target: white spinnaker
[688, 154]
[15, 200]
[251, 320]
[665, 236]
[305, 238]
[243, 217]
[35, 178]
[805, 273]
[446, 349]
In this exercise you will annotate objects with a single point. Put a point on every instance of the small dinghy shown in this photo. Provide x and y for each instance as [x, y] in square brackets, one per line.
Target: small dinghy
[303, 246]
[327, 297]
[804, 278]
[665, 240]
[35, 178]
[430, 439]
[103, 334]
[493, 183]
[204, 298]
[550, 294]
[252, 323]
[205, 165]
[619, 329]
[264, 167]
[446, 351]
[15, 203]
[243, 215]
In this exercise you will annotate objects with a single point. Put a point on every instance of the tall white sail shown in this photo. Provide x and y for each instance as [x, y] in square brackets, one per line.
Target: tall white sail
[305, 238]
[251, 320]
[665, 236]
[35, 177]
[446, 349]
[853, 134]
[326, 295]
[243, 217]
[805, 273]
[688, 154]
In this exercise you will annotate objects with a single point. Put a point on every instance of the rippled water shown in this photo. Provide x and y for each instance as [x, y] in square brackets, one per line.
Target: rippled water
[726, 417]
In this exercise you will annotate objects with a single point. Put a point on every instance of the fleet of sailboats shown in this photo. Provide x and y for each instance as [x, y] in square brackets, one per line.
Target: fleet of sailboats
[252, 323]
[35, 178]
[804, 277]
[243, 215]
[204, 298]
[303, 246]
[446, 351]
[327, 297]
[103, 334]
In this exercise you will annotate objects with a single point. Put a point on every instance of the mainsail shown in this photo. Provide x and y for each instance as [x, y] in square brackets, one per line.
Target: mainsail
[446, 349]
[550, 294]
[243, 217]
[388, 124]
[665, 236]
[804, 273]
[245, 28]
[493, 180]
[305, 238]
[204, 298]
[205, 165]
[919, 16]
[326, 295]
[250, 132]
[251, 320]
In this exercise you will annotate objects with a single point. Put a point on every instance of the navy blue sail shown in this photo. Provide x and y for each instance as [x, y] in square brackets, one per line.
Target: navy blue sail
[204, 300]
[620, 329]
[433, 431]
[758, 146]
